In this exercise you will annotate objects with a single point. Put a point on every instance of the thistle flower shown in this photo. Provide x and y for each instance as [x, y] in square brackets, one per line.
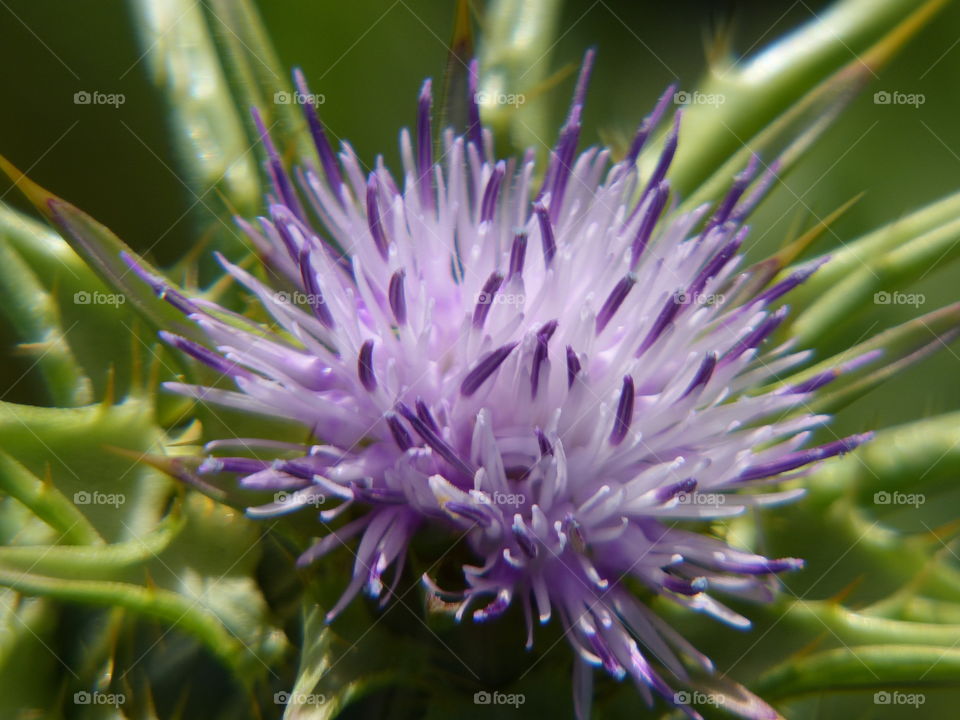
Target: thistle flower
[559, 371]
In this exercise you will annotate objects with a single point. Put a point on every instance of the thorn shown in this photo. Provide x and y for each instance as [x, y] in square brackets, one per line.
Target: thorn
[844, 592]
[943, 534]
[110, 390]
[809, 648]
[176, 467]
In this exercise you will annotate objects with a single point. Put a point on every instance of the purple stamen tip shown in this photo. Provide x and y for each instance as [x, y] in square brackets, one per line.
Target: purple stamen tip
[488, 205]
[704, 372]
[469, 512]
[649, 222]
[666, 157]
[200, 353]
[573, 366]
[158, 285]
[539, 357]
[485, 299]
[484, 369]
[328, 159]
[314, 295]
[374, 222]
[398, 301]
[614, 301]
[423, 412]
[518, 253]
[545, 447]
[546, 233]
[400, 435]
[365, 367]
[649, 123]
[436, 443]
[624, 416]
[669, 492]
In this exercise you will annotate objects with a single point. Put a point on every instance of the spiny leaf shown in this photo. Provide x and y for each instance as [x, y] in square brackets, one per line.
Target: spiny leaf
[875, 279]
[46, 502]
[763, 88]
[858, 253]
[84, 562]
[26, 663]
[764, 272]
[456, 82]
[322, 674]
[160, 604]
[871, 666]
[207, 128]
[921, 455]
[119, 497]
[886, 354]
[259, 79]
[34, 315]
[513, 65]
[851, 628]
[101, 250]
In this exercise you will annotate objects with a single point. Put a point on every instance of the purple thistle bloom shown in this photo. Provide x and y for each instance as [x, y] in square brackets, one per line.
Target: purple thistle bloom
[562, 408]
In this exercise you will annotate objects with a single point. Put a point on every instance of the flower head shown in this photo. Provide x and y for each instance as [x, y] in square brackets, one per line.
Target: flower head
[559, 371]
